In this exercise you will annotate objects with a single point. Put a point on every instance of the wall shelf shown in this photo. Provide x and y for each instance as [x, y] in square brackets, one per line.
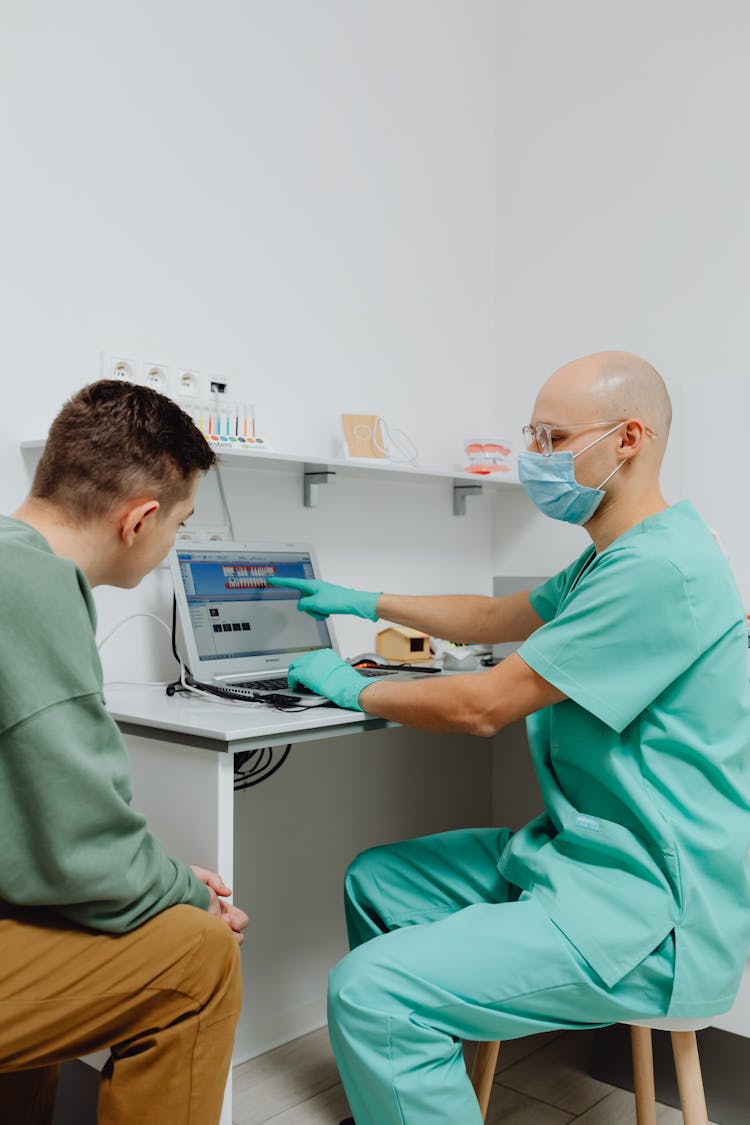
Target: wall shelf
[319, 471]
[315, 472]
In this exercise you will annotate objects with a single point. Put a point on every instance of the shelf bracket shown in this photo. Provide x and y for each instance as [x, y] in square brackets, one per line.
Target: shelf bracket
[315, 475]
[460, 492]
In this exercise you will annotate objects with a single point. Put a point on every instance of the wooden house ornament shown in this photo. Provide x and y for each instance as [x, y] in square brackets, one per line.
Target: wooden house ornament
[403, 645]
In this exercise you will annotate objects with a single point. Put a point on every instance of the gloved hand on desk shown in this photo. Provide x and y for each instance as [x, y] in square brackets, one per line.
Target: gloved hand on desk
[320, 599]
[324, 672]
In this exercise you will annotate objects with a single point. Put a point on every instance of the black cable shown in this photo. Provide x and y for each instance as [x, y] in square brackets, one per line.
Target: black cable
[242, 757]
[264, 761]
[269, 772]
[261, 770]
[174, 629]
[386, 668]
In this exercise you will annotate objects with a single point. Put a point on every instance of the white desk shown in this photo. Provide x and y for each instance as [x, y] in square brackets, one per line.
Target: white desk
[182, 760]
[192, 721]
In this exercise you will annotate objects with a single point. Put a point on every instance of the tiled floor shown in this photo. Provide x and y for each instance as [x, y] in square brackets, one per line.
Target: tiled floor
[541, 1080]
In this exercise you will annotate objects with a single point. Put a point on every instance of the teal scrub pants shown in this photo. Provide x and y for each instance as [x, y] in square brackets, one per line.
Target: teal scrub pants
[444, 949]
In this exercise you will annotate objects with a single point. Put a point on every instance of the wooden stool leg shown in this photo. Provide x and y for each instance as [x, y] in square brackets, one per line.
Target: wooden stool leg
[643, 1075]
[689, 1078]
[483, 1072]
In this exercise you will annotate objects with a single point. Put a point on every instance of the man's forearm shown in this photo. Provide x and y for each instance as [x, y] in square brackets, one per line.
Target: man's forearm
[479, 704]
[468, 618]
[426, 705]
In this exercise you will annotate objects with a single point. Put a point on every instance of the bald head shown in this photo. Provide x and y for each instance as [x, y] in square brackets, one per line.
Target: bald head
[616, 385]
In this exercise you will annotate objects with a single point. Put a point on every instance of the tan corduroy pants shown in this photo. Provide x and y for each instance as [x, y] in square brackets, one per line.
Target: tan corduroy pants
[164, 998]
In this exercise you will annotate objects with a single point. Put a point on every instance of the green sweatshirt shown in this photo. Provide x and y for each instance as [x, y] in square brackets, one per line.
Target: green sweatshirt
[69, 838]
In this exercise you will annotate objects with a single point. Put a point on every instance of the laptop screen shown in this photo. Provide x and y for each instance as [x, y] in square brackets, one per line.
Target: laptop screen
[236, 619]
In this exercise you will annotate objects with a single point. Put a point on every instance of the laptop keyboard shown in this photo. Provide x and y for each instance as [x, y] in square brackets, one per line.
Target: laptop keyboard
[280, 683]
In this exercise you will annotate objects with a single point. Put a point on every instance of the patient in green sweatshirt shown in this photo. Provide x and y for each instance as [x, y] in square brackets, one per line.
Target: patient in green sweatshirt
[82, 879]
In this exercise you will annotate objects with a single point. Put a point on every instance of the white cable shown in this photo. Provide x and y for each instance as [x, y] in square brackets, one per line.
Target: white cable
[224, 501]
[405, 447]
[114, 628]
[137, 683]
[163, 683]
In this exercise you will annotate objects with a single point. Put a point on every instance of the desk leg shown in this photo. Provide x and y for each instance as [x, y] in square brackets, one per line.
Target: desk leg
[187, 797]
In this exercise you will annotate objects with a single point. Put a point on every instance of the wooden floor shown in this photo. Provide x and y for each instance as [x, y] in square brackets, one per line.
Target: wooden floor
[541, 1080]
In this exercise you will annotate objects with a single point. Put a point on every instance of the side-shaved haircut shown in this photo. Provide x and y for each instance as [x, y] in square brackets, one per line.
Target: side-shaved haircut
[112, 440]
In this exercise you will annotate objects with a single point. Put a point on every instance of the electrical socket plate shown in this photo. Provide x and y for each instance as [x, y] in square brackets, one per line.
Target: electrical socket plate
[156, 375]
[188, 382]
[118, 367]
[202, 532]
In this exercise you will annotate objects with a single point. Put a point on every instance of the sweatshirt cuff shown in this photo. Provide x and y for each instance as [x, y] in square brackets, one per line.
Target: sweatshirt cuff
[198, 893]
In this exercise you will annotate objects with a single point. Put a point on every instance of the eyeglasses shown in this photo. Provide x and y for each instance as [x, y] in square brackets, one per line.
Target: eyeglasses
[544, 435]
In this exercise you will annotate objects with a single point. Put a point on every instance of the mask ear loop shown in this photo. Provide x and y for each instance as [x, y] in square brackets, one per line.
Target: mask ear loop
[405, 446]
[597, 440]
[612, 474]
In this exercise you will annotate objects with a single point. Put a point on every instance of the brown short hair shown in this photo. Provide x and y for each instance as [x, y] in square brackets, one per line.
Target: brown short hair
[113, 440]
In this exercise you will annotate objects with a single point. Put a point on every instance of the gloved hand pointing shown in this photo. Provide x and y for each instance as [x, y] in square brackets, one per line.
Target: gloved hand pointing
[321, 598]
[326, 673]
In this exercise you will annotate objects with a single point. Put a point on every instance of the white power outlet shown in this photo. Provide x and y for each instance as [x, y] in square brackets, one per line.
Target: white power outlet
[156, 375]
[118, 367]
[188, 382]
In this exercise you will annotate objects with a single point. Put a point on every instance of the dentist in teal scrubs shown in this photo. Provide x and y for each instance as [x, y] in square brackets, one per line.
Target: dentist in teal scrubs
[629, 897]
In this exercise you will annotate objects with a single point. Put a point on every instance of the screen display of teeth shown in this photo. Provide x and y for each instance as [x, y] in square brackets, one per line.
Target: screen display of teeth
[235, 614]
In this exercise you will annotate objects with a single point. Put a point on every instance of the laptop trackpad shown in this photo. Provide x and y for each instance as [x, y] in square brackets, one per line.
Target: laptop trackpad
[306, 700]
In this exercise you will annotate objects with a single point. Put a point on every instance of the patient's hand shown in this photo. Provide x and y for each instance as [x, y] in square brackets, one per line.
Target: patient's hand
[235, 918]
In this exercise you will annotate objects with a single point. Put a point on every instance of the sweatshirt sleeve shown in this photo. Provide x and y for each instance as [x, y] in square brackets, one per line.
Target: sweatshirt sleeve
[69, 836]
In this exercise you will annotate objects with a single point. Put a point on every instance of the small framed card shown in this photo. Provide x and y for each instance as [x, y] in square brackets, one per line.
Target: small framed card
[363, 437]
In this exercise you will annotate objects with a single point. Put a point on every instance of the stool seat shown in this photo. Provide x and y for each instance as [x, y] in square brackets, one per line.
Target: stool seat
[667, 1023]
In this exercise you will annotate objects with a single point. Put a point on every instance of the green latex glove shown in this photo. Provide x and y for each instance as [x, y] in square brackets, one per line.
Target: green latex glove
[321, 598]
[326, 673]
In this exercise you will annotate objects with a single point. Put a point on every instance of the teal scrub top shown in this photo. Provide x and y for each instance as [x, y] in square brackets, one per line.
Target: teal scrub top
[645, 766]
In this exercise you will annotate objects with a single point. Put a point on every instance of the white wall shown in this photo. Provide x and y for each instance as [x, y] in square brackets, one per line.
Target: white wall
[623, 183]
[715, 463]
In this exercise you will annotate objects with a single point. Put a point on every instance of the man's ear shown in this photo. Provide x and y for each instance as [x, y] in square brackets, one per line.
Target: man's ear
[136, 515]
[632, 436]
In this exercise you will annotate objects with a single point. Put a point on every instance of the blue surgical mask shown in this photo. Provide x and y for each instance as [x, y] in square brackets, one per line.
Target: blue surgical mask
[550, 482]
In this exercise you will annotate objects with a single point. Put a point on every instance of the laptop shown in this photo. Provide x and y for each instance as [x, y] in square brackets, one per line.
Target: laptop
[236, 631]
